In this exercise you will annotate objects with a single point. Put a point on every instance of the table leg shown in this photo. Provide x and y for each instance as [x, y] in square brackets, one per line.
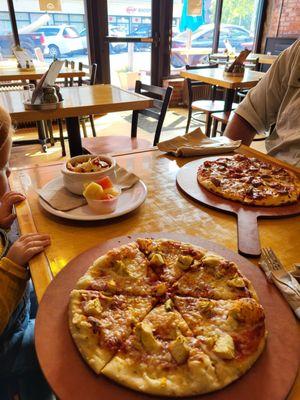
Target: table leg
[73, 129]
[42, 136]
[229, 95]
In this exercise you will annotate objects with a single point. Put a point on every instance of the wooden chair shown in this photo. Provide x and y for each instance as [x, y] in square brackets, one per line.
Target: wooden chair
[90, 80]
[69, 82]
[223, 118]
[112, 144]
[251, 64]
[206, 107]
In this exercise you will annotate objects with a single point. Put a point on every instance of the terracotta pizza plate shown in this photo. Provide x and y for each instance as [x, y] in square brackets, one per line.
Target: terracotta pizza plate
[270, 378]
[247, 228]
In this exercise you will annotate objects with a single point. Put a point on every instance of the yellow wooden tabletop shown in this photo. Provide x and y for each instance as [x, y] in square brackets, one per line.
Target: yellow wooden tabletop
[165, 210]
[215, 76]
[12, 73]
[78, 100]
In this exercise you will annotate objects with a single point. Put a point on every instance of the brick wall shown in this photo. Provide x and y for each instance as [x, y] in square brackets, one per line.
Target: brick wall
[283, 18]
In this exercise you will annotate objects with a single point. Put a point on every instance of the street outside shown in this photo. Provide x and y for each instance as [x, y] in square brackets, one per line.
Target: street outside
[141, 62]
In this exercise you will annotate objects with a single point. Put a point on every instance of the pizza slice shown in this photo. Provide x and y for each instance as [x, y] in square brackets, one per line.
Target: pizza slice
[162, 357]
[123, 270]
[100, 324]
[232, 332]
[168, 258]
[216, 278]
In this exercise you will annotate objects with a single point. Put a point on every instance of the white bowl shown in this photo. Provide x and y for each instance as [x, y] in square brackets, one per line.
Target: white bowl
[103, 206]
[75, 181]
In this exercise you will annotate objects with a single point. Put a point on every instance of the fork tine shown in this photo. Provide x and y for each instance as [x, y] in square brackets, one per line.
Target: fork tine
[266, 258]
[269, 259]
[277, 265]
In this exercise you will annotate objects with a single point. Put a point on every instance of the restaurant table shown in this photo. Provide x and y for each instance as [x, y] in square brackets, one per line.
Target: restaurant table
[215, 76]
[9, 73]
[187, 53]
[78, 101]
[12, 73]
[165, 210]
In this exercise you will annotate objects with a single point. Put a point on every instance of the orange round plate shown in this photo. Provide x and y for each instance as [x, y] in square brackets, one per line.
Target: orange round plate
[271, 377]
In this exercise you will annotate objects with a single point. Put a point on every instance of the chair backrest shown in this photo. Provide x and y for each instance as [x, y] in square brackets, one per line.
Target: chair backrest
[69, 81]
[197, 89]
[161, 99]
[90, 78]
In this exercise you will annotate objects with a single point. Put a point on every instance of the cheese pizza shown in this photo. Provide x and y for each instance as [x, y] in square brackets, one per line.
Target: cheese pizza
[249, 181]
[177, 321]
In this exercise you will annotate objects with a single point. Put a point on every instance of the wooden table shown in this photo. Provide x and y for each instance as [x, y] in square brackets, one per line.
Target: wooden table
[193, 51]
[78, 101]
[165, 210]
[215, 76]
[12, 73]
[9, 72]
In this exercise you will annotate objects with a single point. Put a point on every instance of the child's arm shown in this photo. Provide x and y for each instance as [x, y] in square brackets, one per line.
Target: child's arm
[14, 274]
[6, 206]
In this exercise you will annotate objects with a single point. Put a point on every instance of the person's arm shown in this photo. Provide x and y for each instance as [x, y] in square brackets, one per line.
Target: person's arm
[259, 110]
[239, 129]
[14, 275]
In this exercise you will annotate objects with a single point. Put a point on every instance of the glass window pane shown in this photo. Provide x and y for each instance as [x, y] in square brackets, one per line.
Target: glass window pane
[56, 33]
[192, 36]
[238, 24]
[6, 38]
[130, 62]
[130, 18]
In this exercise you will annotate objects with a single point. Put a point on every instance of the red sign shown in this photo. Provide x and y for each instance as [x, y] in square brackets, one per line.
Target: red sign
[130, 10]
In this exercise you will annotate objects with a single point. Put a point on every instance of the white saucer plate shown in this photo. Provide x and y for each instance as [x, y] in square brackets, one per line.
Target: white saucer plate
[129, 200]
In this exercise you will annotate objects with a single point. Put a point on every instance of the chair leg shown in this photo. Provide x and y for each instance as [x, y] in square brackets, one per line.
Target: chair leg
[223, 126]
[208, 125]
[91, 117]
[215, 127]
[61, 137]
[83, 128]
[157, 132]
[134, 123]
[188, 120]
[50, 130]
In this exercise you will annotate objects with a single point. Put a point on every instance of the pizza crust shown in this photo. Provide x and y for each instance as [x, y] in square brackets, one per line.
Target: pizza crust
[190, 379]
[84, 337]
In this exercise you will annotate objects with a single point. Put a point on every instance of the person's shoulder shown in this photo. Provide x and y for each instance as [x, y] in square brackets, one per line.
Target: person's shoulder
[292, 51]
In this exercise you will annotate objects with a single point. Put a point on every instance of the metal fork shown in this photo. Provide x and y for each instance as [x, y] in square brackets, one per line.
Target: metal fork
[278, 271]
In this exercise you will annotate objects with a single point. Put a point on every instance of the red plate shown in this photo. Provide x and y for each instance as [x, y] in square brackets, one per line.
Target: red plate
[271, 377]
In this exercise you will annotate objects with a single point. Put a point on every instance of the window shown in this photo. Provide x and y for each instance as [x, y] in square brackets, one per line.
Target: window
[6, 38]
[48, 31]
[70, 33]
[194, 42]
[55, 33]
[239, 18]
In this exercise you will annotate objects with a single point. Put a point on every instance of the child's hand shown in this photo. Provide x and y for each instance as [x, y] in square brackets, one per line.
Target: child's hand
[6, 206]
[27, 247]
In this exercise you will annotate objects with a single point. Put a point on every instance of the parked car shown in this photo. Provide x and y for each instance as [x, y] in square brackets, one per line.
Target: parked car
[29, 41]
[114, 48]
[202, 38]
[61, 39]
[143, 31]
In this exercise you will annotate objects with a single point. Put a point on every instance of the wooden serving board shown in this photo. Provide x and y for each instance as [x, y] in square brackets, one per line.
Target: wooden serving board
[270, 378]
[247, 228]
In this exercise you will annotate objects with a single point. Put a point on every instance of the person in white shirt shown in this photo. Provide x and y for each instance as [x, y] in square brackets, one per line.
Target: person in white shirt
[273, 103]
